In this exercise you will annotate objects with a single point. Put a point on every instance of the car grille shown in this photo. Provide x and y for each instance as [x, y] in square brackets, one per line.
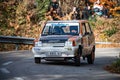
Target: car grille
[53, 44]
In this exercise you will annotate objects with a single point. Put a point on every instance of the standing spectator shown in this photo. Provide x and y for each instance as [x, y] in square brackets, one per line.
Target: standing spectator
[85, 14]
[97, 7]
[105, 11]
[78, 10]
[54, 5]
[88, 10]
[53, 10]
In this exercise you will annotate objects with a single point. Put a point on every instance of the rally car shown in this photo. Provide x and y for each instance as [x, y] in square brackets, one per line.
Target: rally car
[65, 40]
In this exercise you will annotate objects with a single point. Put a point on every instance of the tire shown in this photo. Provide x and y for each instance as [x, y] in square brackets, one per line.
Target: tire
[37, 60]
[77, 60]
[77, 57]
[91, 58]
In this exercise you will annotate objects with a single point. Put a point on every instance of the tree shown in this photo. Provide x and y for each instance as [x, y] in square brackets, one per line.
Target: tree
[42, 6]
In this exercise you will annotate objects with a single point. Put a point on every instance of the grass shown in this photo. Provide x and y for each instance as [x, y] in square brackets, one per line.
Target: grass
[114, 67]
[111, 31]
[105, 28]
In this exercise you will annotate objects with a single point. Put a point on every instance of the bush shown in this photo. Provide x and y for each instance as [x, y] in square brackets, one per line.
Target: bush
[111, 31]
[114, 67]
[116, 63]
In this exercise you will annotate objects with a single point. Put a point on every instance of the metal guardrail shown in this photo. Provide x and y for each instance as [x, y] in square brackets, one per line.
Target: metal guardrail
[16, 40]
[28, 41]
[106, 43]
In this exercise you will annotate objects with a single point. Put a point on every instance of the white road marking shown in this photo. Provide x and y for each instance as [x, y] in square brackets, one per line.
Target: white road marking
[18, 78]
[7, 63]
[4, 70]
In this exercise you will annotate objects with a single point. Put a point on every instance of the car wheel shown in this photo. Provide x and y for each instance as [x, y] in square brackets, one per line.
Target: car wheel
[77, 60]
[91, 58]
[37, 60]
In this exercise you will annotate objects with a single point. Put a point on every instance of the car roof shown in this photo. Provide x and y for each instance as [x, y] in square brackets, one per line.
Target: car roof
[63, 21]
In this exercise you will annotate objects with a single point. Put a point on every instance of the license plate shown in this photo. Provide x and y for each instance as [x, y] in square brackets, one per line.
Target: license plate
[54, 54]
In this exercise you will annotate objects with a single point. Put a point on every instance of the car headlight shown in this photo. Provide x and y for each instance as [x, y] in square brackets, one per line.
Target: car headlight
[38, 44]
[68, 43]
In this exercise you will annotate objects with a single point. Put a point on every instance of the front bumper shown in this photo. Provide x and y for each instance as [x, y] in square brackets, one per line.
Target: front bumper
[48, 52]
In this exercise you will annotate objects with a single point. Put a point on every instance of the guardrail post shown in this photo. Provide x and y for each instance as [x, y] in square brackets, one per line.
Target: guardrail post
[16, 46]
[119, 55]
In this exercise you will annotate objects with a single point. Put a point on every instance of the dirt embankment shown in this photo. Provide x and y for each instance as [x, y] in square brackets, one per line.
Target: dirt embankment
[106, 30]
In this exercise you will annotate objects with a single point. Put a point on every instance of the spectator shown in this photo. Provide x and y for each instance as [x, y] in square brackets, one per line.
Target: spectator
[54, 5]
[85, 13]
[54, 11]
[78, 10]
[97, 7]
[74, 15]
[105, 11]
[88, 8]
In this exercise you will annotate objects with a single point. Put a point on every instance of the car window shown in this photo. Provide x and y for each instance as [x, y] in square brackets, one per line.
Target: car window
[61, 29]
[70, 29]
[46, 30]
[83, 28]
[88, 29]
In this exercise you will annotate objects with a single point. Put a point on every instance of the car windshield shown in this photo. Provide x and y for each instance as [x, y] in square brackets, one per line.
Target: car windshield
[61, 29]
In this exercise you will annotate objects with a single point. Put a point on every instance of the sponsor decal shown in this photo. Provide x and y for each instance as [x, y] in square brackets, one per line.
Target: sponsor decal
[61, 24]
[53, 41]
[70, 49]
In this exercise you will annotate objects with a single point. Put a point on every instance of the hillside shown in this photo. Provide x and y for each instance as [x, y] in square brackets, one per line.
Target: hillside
[106, 29]
[23, 17]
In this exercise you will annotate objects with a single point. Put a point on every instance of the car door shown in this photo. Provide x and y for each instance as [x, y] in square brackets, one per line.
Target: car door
[85, 43]
[90, 37]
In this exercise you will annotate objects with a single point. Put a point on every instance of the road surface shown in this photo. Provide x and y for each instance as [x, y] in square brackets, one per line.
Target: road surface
[19, 65]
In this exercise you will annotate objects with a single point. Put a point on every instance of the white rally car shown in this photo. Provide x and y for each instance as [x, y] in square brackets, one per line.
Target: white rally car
[64, 40]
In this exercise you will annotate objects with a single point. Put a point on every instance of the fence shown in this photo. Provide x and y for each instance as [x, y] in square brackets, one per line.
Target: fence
[29, 41]
[16, 40]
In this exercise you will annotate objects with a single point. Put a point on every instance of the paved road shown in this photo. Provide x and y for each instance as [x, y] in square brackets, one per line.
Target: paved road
[19, 65]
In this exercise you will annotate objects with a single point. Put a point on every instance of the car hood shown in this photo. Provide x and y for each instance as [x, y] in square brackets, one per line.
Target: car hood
[56, 38]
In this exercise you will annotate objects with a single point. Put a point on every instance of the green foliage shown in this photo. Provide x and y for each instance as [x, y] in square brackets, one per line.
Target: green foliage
[7, 12]
[115, 66]
[1, 33]
[42, 6]
[111, 31]
[116, 63]
[92, 21]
